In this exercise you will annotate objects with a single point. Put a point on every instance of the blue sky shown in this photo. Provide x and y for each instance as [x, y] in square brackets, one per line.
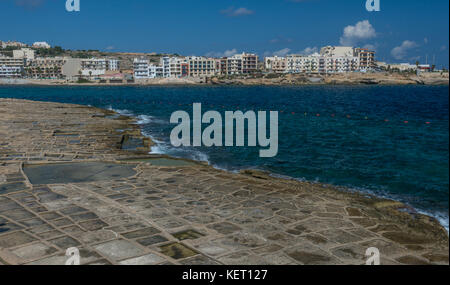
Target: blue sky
[403, 31]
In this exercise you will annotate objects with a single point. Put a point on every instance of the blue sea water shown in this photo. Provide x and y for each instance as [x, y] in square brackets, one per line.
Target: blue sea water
[391, 141]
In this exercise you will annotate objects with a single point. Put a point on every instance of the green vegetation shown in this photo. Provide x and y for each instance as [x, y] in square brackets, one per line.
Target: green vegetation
[8, 51]
[83, 80]
[50, 52]
[82, 54]
[272, 75]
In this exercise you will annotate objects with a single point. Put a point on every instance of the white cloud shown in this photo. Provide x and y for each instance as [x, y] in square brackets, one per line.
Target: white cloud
[226, 53]
[425, 40]
[371, 47]
[363, 30]
[309, 50]
[110, 47]
[282, 52]
[236, 12]
[443, 48]
[401, 51]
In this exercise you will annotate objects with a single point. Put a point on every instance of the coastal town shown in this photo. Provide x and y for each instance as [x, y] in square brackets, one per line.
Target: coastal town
[40, 61]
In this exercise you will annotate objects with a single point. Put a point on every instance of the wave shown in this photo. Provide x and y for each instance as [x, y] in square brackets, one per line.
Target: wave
[144, 119]
[124, 112]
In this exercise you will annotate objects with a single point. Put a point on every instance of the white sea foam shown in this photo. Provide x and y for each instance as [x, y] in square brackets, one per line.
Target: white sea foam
[144, 119]
[124, 112]
[441, 217]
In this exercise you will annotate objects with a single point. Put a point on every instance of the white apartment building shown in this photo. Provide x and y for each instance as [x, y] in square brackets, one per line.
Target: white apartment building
[397, 66]
[113, 64]
[234, 64]
[340, 64]
[10, 72]
[165, 64]
[11, 67]
[302, 64]
[93, 67]
[144, 70]
[155, 71]
[141, 68]
[330, 60]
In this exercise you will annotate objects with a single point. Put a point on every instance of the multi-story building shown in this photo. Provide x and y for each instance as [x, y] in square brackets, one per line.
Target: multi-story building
[144, 70]
[330, 60]
[141, 68]
[302, 64]
[10, 72]
[277, 64]
[11, 67]
[165, 64]
[48, 68]
[202, 66]
[93, 67]
[340, 64]
[366, 58]
[113, 64]
[249, 63]
[155, 71]
[178, 67]
[234, 64]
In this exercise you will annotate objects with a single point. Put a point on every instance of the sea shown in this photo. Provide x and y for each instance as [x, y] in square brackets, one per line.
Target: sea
[388, 141]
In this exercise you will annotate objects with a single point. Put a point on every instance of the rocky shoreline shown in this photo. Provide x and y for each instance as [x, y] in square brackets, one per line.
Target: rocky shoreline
[263, 80]
[120, 205]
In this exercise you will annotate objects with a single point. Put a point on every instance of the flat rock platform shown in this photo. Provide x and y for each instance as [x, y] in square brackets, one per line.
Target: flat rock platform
[78, 176]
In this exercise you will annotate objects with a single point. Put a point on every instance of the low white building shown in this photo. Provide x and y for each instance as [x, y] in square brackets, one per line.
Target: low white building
[397, 66]
[41, 45]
